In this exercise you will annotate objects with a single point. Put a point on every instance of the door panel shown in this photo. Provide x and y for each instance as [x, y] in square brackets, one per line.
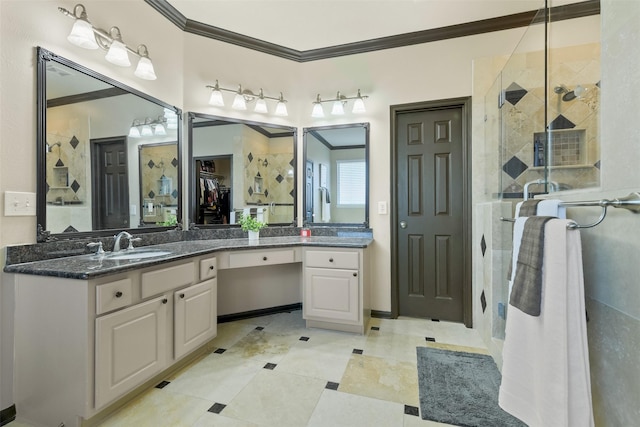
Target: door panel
[430, 217]
[110, 184]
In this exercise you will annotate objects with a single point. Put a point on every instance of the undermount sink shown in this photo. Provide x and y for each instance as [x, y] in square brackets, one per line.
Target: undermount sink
[137, 254]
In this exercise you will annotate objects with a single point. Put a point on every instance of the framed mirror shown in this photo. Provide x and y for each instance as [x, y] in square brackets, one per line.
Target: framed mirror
[238, 166]
[92, 134]
[336, 162]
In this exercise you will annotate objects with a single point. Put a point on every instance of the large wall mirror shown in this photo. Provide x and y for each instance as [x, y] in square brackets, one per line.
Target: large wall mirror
[336, 162]
[108, 155]
[238, 166]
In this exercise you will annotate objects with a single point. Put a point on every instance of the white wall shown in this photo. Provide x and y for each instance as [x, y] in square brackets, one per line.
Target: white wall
[184, 64]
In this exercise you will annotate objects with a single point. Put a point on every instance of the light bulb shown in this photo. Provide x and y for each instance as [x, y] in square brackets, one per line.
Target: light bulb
[117, 54]
[144, 70]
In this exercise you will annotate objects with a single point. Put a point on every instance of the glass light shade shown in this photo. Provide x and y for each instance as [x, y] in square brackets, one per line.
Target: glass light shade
[281, 109]
[82, 35]
[317, 110]
[172, 123]
[134, 132]
[338, 108]
[144, 70]
[146, 131]
[117, 54]
[216, 98]
[358, 106]
[159, 130]
[261, 106]
[239, 103]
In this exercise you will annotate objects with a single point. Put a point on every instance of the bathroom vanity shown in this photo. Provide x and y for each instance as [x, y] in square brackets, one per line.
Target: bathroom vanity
[94, 330]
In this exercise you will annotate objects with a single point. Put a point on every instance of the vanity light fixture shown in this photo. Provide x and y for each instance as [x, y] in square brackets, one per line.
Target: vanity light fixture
[149, 127]
[244, 96]
[339, 102]
[85, 35]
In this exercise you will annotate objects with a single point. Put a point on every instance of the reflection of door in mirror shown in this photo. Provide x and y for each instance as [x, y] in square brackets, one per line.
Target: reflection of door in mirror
[260, 175]
[337, 177]
[214, 180]
[158, 179]
[84, 114]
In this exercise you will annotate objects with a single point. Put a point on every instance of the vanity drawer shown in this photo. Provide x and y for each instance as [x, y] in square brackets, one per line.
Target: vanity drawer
[208, 268]
[113, 295]
[332, 259]
[257, 258]
[165, 279]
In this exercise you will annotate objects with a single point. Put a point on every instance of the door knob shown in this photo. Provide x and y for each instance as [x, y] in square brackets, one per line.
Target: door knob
[403, 224]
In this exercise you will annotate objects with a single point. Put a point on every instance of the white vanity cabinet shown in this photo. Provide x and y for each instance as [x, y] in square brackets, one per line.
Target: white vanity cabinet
[335, 290]
[83, 344]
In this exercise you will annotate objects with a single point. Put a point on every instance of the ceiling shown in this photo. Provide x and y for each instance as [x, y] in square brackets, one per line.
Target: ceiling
[314, 24]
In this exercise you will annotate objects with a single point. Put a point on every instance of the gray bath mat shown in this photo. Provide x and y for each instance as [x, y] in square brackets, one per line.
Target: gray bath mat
[460, 389]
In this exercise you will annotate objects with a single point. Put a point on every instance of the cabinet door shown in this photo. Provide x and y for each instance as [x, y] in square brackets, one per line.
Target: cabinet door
[130, 348]
[331, 295]
[195, 316]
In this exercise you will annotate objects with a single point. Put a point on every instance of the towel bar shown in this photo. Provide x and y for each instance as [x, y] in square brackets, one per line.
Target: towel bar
[631, 202]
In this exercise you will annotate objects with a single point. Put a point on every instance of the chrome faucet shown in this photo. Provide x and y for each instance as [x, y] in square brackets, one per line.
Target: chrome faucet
[116, 245]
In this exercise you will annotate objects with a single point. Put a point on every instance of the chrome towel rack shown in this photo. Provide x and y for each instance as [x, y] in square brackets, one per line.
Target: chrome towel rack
[631, 202]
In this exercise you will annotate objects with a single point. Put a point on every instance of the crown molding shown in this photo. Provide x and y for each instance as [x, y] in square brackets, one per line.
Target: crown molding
[558, 13]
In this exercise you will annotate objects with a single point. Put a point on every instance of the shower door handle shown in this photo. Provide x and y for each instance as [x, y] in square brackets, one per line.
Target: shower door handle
[403, 224]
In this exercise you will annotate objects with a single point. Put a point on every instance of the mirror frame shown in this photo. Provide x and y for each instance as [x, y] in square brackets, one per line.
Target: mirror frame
[191, 116]
[366, 127]
[44, 56]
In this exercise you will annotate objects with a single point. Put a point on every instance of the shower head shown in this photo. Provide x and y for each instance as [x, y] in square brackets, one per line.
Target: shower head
[569, 95]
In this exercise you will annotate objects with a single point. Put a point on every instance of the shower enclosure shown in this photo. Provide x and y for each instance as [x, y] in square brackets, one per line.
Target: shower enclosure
[541, 126]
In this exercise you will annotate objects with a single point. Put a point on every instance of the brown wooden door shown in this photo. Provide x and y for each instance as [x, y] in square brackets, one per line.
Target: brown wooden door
[110, 184]
[429, 218]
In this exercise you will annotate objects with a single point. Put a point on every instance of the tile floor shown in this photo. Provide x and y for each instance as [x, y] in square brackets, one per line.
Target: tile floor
[272, 371]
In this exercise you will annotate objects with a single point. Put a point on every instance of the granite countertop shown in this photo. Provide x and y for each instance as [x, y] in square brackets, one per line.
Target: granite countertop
[91, 266]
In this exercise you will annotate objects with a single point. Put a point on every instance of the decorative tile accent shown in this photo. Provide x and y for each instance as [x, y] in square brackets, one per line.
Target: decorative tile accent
[220, 350]
[291, 193]
[74, 142]
[561, 122]
[279, 178]
[151, 164]
[411, 410]
[514, 93]
[163, 384]
[59, 163]
[250, 191]
[266, 193]
[332, 386]
[375, 328]
[174, 162]
[483, 245]
[250, 157]
[483, 301]
[217, 408]
[259, 328]
[174, 194]
[430, 339]
[75, 186]
[151, 194]
[514, 167]
[304, 339]
[270, 366]
[435, 320]
[357, 351]
[597, 164]
[70, 229]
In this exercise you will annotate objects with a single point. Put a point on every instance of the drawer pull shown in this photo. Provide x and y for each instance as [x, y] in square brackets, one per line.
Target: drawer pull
[181, 295]
[355, 274]
[164, 300]
[330, 259]
[118, 294]
[211, 267]
[264, 258]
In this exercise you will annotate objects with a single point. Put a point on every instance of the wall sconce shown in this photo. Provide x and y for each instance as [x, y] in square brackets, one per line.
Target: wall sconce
[244, 96]
[148, 127]
[85, 35]
[339, 103]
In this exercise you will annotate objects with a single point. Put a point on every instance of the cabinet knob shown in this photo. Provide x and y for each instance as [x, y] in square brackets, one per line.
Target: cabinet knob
[164, 300]
[118, 294]
[355, 274]
[211, 267]
[330, 259]
[181, 295]
[264, 258]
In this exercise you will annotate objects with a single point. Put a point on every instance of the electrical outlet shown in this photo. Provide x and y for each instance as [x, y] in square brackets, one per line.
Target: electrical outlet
[19, 204]
[382, 208]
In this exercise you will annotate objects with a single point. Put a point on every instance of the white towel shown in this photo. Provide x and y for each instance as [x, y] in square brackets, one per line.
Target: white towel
[325, 207]
[545, 371]
[546, 207]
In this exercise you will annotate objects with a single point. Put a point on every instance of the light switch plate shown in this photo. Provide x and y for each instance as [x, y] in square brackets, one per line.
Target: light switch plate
[382, 208]
[19, 204]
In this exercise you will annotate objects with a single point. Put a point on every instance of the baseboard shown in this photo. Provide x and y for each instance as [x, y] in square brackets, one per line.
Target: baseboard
[381, 314]
[261, 312]
[7, 415]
